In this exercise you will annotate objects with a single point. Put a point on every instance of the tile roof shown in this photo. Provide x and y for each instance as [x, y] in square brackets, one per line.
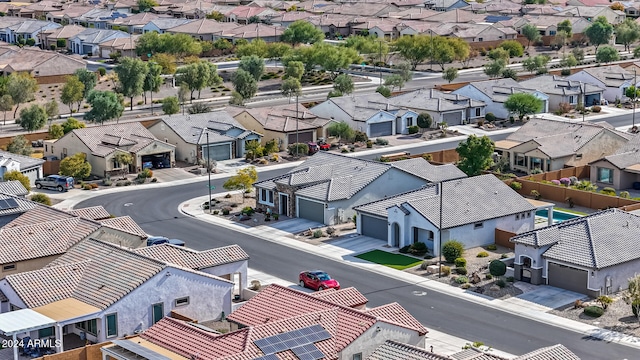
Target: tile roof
[628, 155]
[555, 352]
[105, 139]
[392, 350]
[491, 199]
[26, 162]
[611, 76]
[93, 213]
[282, 118]
[124, 223]
[193, 259]
[500, 89]
[349, 297]
[194, 127]
[96, 36]
[362, 107]
[431, 99]
[597, 241]
[13, 187]
[394, 313]
[203, 26]
[24, 205]
[168, 23]
[425, 170]
[38, 214]
[553, 84]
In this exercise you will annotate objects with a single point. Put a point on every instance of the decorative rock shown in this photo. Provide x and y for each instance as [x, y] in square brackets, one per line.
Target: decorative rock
[494, 288]
[475, 278]
[432, 269]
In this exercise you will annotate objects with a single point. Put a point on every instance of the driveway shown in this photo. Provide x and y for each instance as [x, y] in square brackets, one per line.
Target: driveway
[172, 174]
[543, 297]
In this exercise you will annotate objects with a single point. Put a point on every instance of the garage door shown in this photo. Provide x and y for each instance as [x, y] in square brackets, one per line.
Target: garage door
[374, 227]
[303, 137]
[567, 278]
[453, 118]
[593, 99]
[218, 152]
[311, 210]
[381, 129]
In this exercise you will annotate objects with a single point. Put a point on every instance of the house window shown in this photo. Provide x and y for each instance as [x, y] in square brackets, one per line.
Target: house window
[112, 325]
[572, 99]
[517, 216]
[182, 301]
[266, 196]
[410, 121]
[605, 175]
[478, 225]
[521, 160]
[46, 332]
[477, 111]
[578, 156]
[46, 148]
[14, 307]
[9, 267]
[552, 32]
[158, 312]
[357, 356]
[529, 214]
[90, 326]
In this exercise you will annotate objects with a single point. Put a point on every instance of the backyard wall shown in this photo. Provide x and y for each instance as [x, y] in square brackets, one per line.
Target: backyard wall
[502, 238]
[89, 352]
[448, 156]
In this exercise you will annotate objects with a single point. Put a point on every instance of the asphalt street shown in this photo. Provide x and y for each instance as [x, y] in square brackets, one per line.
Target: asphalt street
[156, 211]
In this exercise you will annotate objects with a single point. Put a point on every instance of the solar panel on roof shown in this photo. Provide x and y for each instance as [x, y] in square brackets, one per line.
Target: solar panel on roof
[297, 339]
[6, 204]
[139, 350]
[308, 352]
[268, 357]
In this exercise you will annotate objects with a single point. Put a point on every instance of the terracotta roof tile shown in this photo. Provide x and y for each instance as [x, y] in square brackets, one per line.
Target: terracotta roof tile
[93, 213]
[193, 259]
[126, 224]
[394, 313]
[349, 297]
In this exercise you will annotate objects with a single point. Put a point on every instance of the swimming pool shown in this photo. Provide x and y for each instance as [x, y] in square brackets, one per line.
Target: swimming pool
[558, 216]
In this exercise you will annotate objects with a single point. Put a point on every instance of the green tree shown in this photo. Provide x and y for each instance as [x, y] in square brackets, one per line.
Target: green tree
[531, 33]
[442, 52]
[509, 73]
[404, 70]
[146, 5]
[183, 94]
[216, 15]
[497, 268]
[257, 47]
[105, 105]
[333, 58]
[131, 75]
[291, 87]
[302, 32]
[394, 81]
[88, 79]
[20, 145]
[197, 76]
[152, 81]
[475, 155]
[537, 64]
[33, 118]
[123, 160]
[607, 54]
[565, 26]
[450, 74]
[51, 108]
[167, 61]
[6, 104]
[294, 69]
[374, 48]
[180, 45]
[627, 33]
[425, 121]
[18, 176]
[75, 166]
[499, 54]
[243, 180]
[578, 54]
[514, 48]
[72, 124]
[72, 92]
[523, 104]
[599, 32]
[41, 198]
[21, 87]
[245, 84]
[56, 131]
[414, 49]
[495, 68]
[384, 91]
[344, 84]
[277, 50]
[461, 49]
[568, 61]
[342, 130]
[253, 65]
[170, 105]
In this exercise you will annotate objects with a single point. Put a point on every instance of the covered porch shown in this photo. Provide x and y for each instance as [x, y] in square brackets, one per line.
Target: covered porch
[19, 325]
[544, 206]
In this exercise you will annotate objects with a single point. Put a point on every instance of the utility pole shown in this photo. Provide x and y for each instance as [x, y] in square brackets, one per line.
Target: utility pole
[297, 134]
[209, 171]
[635, 95]
[582, 99]
[431, 52]
[440, 231]
[380, 60]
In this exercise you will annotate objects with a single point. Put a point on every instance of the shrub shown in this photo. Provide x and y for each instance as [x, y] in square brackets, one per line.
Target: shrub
[604, 301]
[120, 183]
[516, 185]
[565, 181]
[497, 268]
[216, 212]
[460, 262]
[404, 249]
[233, 205]
[87, 187]
[462, 280]
[482, 254]
[608, 191]
[41, 198]
[490, 117]
[414, 129]
[360, 136]
[564, 108]
[573, 180]
[535, 194]
[565, 72]
[594, 311]
[380, 141]
[317, 234]
[226, 211]
[501, 283]
[635, 307]
[536, 171]
[596, 109]
[461, 270]
[299, 148]
[504, 256]
[227, 196]
[451, 250]
[154, 180]
[247, 210]
[145, 174]
[140, 180]
[418, 248]
[465, 286]
[624, 194]
[488, 276]
[492, 247]
[446, 270]
[369, 144]
[94, 185]
[127, 183]
[555, 182]
[511, 279]
[107, 182]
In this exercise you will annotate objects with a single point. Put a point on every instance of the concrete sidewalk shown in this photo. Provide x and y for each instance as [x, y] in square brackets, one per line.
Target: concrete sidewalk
[345, 250]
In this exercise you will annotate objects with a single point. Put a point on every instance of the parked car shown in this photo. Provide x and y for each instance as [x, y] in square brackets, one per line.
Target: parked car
[157, 240]
[58, 182]
[324, 146]
[318, 280]
[313, 148]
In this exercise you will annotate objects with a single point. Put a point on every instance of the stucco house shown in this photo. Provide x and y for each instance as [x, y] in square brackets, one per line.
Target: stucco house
[86, 294]
[564, 91]
[326, 187]
[101, 143]
[621, 170]
[369, 113]
[27, 165]
[88, 42]
[226, 137]
[13, 187]
[287, 124]
[445, 5]
[593, 255]
[162, 25]
[495, 92]
[591, 13]
[46, 67]
[613, 78]
[415, 216]
[552, 145]
[454, 109]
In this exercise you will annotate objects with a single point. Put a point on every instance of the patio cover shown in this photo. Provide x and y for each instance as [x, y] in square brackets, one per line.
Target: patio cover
[66, 309]
[21, 321]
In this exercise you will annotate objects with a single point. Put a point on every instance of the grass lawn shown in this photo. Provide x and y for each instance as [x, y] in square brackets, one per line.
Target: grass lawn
[395, 261]
[571, 211]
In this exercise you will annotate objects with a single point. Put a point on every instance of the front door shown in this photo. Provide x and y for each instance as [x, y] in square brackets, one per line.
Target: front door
[284, 204]
[396, 235]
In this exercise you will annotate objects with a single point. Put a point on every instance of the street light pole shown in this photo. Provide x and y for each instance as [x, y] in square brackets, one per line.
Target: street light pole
[297, 118]
[635, 95]
[380, 60]
[440, 185]
[582, 99]
[209, 171]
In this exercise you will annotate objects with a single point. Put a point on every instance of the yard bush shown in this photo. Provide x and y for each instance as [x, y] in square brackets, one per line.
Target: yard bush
[317, 234]
[247, 210]
[41, 198]
[555, 182]
[535, 194]
[488, 276]
[446, 270]
[608, 191]
[573, 180]
[511, 279]
[302, 149]
[419, 248]
[482, 254]
[596, 109]
[451, 250]
[461, 270]
[516, 185]
[460, 262]
[360, 136]
[604, 301]
[624, 194]
[492, 247]
[414, 129]
[497, 268]
[226, 211]
[87, 187]
[490, 117]
[404, 249]
[501, 283]
[594, 311]
[462, 280]
[380, 141]
[565, 181]
[369, 144]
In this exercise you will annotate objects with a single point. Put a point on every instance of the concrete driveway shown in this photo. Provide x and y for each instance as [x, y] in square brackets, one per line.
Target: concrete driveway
[172, 174]
[543, 297]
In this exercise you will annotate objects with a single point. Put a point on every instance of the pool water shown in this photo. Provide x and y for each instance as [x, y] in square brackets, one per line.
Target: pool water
[558, 216]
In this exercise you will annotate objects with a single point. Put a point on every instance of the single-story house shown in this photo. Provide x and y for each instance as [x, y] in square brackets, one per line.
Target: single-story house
[13, 187]
[593, 255]
[162, 25]
[326, 187]
[620, 170]
[88, 42]
[429, 215]
[287, 124]
[27, 165]
[101, 143]
[565, 91]
[552, 144]
[495, 92]
[454, 109]
[214, 135]
[613, 78]
[46, 67]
